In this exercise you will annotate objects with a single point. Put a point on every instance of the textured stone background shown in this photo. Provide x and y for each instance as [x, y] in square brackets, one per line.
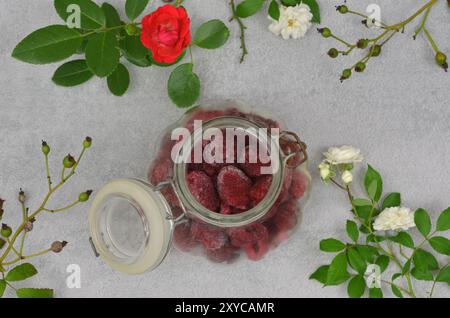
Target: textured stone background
[397, 113]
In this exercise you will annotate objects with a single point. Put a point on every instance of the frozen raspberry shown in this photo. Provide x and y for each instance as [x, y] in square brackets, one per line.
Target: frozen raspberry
[286, 218]
[234, 187]
[299, 185]
[250, 167]
[202, 188]
[276, 236]
[248, 235]
[211, 237]
[226, 253]
[182, 237]
[160, 171]
[284, 194]
[257, 250]
[171, 197]
[260, 189]
[225, 209]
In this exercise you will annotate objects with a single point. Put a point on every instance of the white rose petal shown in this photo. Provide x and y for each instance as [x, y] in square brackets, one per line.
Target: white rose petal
[293, 22]
[325, 171]
[396, 218]
[343, 155]
[347, 177]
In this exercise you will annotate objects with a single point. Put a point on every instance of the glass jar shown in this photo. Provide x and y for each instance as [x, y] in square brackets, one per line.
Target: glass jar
[225, 182]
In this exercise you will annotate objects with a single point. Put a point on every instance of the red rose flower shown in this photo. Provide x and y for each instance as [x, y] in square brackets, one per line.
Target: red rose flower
[166, 33]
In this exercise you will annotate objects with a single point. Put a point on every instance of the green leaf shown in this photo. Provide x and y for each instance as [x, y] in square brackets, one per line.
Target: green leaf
[331, 245]
[443, 222]
[2, 287]
[375, 293]
[274, 10]
[290, 3]
[92, 16]
[383, 262]
[134, 8]
[444, 275]
[440, 244]
[396, 291]
[406, 267]
[134, 51]
[367, 252]
[356, 287]
[72, 73]
[34, 293]
[371, 238]
[422, 221]
[361, 202]
[211, 35]
[337, 272]
[102, 55]
[352, 230]
[403, 238]
[372, 178]
[48, 45]
[356, 261]
[179, 58]
[119, 80]
[315, 10]
[425, 260]
[395, 276]
[21, 272]
[421, 274]
[320, 274]
[391, 200]
[112, 17]
[184, 86]
[248, 7]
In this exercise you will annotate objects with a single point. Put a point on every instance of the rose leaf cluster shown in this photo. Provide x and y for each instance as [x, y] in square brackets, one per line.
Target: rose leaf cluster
[107, 45]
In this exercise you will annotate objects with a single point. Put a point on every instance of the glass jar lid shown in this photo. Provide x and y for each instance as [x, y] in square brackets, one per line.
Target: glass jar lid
[131, 226]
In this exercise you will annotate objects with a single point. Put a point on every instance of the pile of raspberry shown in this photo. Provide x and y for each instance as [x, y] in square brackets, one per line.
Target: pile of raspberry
[231, 188]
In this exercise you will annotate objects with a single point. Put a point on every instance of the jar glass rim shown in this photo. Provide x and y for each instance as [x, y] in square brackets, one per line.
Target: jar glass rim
[229, 220]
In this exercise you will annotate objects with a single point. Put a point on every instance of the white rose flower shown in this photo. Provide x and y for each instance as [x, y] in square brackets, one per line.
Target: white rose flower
[395, 218]
[325, 171]
[347, 177]
[343, 155]
[293, 21]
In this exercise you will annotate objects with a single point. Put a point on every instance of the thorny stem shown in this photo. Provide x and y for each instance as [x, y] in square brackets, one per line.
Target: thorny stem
[422, 25]
[69, 206]
[36, 213]
[242, 29]
[47, 170]
[431, 40]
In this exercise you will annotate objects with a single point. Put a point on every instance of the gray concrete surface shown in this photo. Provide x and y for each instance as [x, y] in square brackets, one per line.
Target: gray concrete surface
[397, 113]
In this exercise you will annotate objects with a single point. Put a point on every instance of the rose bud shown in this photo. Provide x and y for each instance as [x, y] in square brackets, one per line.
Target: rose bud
[346, 74]
[83, 197]
[6, 231]
[362, 43]
[360, 67]
[69, 161]
[376, 50]
[333, 53]
[45, 148]
[87, 142]
[326, 32]
[441, 60]
[28, 226]
[58, 246]
[22, 196]
[342, 9]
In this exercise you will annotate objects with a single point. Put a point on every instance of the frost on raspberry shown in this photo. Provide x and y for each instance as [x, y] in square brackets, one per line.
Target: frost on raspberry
[286, 218]
[299, 185]
[226, 253]
[250, 234]
[202, 188]
[182, 237]
[257, 250]
[260, 188]
[204, 116]
[234, 187]
[211, 237]
[160, 171]
[251, 163]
